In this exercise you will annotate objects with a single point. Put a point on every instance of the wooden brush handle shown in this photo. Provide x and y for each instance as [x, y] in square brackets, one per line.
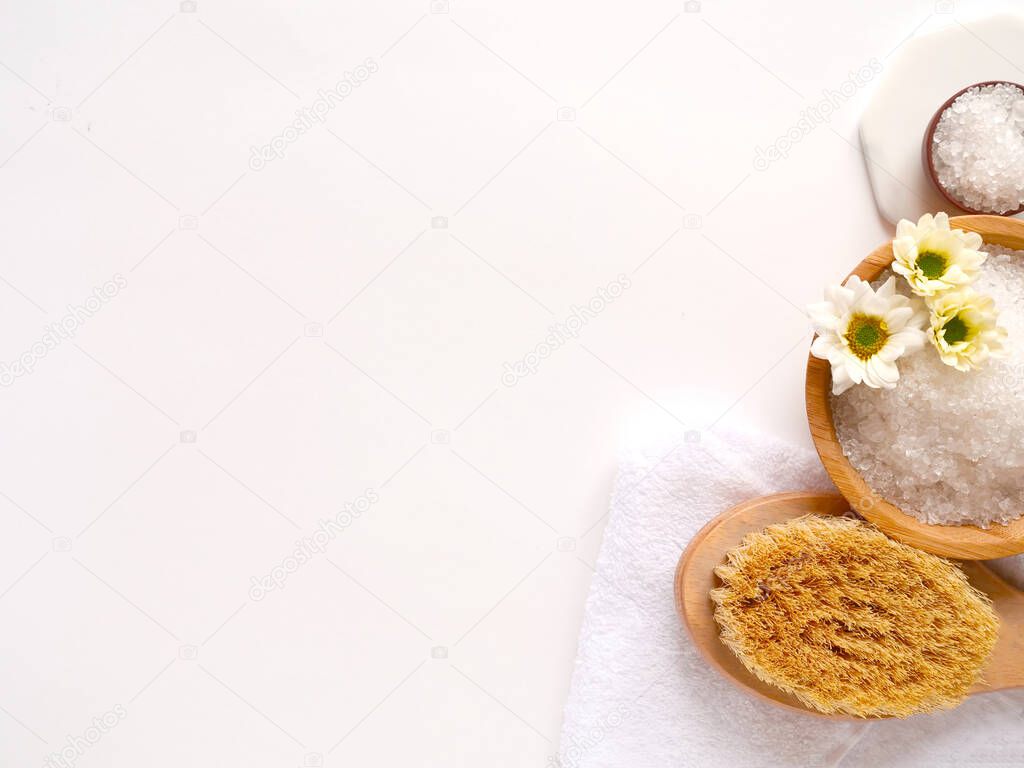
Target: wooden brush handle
[1006, 667]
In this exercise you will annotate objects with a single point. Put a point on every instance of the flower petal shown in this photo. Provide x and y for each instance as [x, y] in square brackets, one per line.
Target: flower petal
[881, 373]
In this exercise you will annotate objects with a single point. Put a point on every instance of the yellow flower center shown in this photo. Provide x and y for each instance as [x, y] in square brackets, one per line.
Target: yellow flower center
[931, 264]
[866, 335]
[955, 330]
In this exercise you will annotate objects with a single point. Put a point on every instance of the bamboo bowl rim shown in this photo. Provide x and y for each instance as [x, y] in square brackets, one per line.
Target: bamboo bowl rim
[963, 542]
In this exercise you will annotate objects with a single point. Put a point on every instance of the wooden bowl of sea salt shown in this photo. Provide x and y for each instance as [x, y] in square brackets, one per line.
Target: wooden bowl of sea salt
[980, 421]
[973, 148]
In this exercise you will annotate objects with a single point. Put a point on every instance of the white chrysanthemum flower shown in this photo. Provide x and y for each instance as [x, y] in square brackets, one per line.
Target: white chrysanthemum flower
[964, 330]
[862, 332]
[934, 258]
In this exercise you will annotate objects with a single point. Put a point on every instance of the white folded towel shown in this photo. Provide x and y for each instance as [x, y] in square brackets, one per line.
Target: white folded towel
[642, 696]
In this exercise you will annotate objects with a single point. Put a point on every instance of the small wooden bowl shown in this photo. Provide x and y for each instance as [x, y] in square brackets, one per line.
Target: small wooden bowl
[928, 158]
[963, 542]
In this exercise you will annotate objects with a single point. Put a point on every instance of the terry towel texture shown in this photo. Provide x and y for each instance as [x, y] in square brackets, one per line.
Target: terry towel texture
[641, 695]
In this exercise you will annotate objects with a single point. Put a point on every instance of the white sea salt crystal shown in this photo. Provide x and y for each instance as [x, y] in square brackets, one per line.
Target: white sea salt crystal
[978, 148]
[948, 446]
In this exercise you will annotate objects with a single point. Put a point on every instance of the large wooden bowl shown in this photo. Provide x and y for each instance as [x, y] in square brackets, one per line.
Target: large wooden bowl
[963, 542]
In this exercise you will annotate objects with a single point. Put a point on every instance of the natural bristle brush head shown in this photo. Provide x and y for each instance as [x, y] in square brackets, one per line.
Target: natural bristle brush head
[851, 622]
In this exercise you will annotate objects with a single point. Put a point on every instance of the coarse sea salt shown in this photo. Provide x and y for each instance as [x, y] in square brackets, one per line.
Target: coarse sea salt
[978, 148]
[947, 446]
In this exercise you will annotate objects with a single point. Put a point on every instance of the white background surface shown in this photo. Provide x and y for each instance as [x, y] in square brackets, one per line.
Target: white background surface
[125, 143]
